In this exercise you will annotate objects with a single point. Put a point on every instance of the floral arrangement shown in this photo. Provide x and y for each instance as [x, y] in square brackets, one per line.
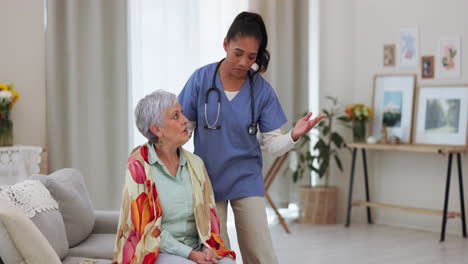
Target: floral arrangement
[358, 112]
[8, 97]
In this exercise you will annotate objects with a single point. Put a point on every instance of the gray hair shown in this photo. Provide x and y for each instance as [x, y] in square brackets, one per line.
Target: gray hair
[151, 109]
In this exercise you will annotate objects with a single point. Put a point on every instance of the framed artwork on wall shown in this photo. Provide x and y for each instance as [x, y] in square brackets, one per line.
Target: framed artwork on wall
[442, 115]
[393, 104]
[427, 67]
[409, 47]
[389, 55]
[449, 63]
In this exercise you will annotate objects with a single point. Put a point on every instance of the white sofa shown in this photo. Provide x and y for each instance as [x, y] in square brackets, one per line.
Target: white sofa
[73, 233]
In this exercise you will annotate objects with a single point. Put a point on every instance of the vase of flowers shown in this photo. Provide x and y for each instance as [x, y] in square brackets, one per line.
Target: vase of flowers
[359, 115]
[8, 97]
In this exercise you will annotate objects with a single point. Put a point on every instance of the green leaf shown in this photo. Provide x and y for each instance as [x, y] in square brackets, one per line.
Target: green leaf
[338, 162]
[325, 130]
[343, 118]
[323, 168]
[337, 140]
[326, 112]
[331, 98]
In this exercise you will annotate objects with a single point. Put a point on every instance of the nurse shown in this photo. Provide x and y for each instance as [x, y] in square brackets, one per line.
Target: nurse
[227, 102]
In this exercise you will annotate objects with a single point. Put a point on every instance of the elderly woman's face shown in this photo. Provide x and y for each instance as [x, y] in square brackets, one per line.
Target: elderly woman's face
[174, 131]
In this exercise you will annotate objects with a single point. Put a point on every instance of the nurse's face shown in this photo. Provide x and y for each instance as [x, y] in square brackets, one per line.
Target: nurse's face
[174, 131]
[241, 53]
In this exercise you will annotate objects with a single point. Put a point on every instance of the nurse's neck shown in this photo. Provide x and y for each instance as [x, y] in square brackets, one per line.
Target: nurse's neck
[230, 82]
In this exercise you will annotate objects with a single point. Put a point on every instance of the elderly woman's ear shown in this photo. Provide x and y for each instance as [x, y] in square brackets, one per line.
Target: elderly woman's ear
[155, 130]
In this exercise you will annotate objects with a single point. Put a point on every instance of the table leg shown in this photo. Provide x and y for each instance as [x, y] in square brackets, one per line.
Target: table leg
[350, 190]
[462, 199]
[447, 191]
[366, 181]
[280, 217]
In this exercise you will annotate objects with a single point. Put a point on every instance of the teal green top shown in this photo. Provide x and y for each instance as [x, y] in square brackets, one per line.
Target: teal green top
[179, 233]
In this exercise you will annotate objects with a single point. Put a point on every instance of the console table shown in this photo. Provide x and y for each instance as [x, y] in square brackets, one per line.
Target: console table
[18, 162]
[449, 151]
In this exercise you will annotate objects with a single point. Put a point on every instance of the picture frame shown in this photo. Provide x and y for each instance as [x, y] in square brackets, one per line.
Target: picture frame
[427, 67]
[409, 46]
[449, 62]
[442, 115]
[389, 55]
[393, 99]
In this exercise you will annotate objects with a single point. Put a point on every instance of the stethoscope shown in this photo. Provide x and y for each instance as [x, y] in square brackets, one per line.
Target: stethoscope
[252, 129]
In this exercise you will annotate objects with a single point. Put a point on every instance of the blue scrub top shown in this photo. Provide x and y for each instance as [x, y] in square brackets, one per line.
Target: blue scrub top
[231, 155]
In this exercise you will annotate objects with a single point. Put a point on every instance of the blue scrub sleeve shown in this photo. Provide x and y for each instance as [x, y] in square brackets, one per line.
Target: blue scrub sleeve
[272, 116]
[188, 97]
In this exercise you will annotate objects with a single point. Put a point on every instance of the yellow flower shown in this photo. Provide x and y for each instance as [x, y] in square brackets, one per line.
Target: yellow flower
[3, 87]
[358, 112]
[16, 96]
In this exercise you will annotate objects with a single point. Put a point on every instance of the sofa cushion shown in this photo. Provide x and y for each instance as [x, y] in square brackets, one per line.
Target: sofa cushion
[8, 251]
[26, 237]
[68, 188]
[51, 225]
[96, 246]
[33, 198]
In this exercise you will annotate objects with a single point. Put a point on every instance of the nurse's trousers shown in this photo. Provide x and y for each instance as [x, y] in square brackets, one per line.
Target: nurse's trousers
[253, 234]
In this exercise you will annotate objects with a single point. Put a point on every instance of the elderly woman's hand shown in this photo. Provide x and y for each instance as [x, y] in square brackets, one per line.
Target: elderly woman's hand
[201, 257]
[209, 255]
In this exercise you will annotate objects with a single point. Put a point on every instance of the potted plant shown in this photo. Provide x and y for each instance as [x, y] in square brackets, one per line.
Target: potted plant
[317, 204]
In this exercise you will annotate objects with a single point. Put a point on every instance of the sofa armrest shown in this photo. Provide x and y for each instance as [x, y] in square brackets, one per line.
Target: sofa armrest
[106, 222]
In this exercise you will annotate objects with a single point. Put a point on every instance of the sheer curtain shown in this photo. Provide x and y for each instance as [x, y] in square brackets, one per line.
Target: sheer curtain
[287, 24]
[169, 39]
[86, 86]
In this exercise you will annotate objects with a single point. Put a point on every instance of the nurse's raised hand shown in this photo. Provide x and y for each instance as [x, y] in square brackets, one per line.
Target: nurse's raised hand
[304, 125]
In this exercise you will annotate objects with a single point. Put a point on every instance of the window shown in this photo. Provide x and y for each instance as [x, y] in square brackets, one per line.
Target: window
[168, 40]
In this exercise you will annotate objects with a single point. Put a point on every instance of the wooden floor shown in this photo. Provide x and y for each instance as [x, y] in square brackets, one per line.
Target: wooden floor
[361, 243]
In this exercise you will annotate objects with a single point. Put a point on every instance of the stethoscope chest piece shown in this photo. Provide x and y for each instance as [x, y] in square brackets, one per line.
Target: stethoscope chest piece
[252, 129]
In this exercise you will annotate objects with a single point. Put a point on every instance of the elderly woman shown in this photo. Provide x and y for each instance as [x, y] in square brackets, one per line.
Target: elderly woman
[168, 211]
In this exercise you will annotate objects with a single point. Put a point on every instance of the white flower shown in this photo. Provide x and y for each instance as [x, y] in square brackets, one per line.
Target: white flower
[5, 97]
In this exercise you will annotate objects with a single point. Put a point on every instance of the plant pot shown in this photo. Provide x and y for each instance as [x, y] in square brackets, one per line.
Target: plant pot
[318, 205]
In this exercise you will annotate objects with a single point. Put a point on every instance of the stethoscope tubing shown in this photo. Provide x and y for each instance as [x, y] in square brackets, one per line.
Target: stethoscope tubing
[252, 128]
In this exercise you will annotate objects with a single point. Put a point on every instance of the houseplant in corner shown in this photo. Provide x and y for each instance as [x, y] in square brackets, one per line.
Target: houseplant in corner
[317, 204]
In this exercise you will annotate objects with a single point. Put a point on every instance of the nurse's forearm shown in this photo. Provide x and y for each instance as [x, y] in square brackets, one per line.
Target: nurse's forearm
[276, 144]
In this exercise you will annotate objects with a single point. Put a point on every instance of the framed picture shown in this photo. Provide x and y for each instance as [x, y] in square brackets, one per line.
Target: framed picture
[449, 63]
[442, 115]
[409, 47]
[427, 67]
[393, 104]
[389, 55]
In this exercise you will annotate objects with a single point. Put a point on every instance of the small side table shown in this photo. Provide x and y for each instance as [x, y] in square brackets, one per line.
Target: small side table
[449, 151]
[18, 162]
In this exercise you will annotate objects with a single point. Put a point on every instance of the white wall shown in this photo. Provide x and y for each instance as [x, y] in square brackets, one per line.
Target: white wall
[362, 27]
[22, 62]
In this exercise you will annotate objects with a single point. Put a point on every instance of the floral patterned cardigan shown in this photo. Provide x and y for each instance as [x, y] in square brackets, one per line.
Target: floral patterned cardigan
[140, 216]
